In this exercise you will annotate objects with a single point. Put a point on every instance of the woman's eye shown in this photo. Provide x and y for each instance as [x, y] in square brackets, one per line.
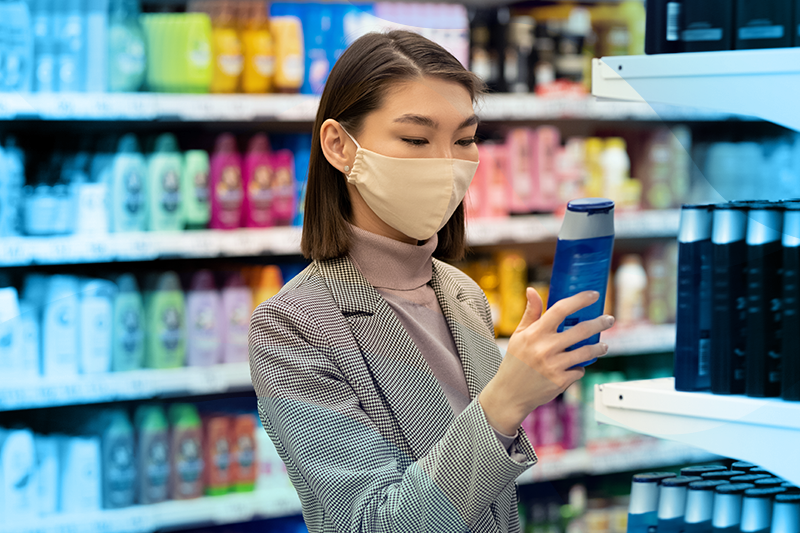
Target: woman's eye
[467, 142]
[415, 142]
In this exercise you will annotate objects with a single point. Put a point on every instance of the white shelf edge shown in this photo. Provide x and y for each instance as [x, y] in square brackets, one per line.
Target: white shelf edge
[243, 242]
[121, 386]
[756, 83]
[762, 431]
[216, 510]
[614, 455]
[303, 108]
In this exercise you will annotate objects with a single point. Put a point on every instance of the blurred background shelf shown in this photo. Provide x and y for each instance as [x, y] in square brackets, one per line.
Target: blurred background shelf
[760, 83]
[765, 431]
[635, 452]
[303, 108]
[144, 246]
[214, 510]
[120, 386]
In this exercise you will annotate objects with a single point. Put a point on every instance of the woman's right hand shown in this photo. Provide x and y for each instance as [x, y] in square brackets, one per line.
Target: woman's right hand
[536, 367]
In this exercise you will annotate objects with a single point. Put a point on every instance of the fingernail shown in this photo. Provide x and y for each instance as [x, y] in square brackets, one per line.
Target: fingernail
[595, 294]
[610, 320]
[604, 347]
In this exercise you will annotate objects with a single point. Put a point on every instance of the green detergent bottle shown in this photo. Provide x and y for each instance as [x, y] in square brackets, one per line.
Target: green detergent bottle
[165, 310]
[196, 189]
[164, 185]
[127, 352]
[186, 437]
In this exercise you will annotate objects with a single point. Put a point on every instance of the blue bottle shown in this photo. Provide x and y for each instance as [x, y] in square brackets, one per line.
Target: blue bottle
[757, 509]
[583, 259]
[672, 503]
[699, 506]
[693, 328]
[727, 513]
[764, 294]
[790, 350]
[44, 46]
[643, 507]
[729, 297]
[317, 20]
[786, 513]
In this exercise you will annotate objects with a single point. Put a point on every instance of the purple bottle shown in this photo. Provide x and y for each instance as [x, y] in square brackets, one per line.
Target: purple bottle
[237, 304]
[203, 321]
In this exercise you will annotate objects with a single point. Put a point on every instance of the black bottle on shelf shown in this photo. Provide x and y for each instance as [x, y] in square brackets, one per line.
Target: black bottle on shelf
[484, 60]
[764, 295]
[728, 507]
[790, 351]
[757, 509]
[707, 25]
[729, 296]
[763, 24]
[700, 506]
[663, 24]
[786, 513]
[693, 322]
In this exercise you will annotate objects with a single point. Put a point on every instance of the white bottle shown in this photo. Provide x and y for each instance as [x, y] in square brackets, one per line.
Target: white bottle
[12, 181]
[44, 46]
[630, 286]
[9, 334]
[60, 327]
[80, 475]
[17, 477]
[96, 319]
[29, 358]
[47, 471]
[96, 46]
[616, 167]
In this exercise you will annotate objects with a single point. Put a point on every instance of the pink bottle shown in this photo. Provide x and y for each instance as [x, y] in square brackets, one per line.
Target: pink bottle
[227, 193]
[284, 188]
[203, 321]
[257, 209]
[237, 304]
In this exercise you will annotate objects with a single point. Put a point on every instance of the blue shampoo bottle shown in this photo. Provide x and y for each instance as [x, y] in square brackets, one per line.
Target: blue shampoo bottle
[583, 259]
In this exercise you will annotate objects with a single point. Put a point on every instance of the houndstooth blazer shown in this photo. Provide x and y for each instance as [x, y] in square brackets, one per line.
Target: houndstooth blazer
[365, 430]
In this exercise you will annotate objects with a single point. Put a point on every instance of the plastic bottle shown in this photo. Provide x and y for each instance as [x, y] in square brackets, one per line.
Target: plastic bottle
[630, 286]
[217, 450]
[128, 326]
[265, 283]
[97, 45]
[81, 475]
[757, 509]
[287, 32]
[237, 300]
[258, 50]
[12, 182]
[17, 476]
[284, 188]
[18, 68]
[29, 358]
[127, 59]
[186, 474]
[71, 35]
[643, 507]
[44, 46]
[672, 503]
[663, 23]
[786, 513]
[119, 460]
[790, 347]
[153, 454]
[257, 208]
[708, 26]
[203, 320]
[227, 193]
[316, 26]
[244, 467]
[166, 326]
[512, 271]
[96, 320]
[764, 24]
[615, 166]
[164, 185]
[700, 506]
[227, 46]
[60, 326]
[128, 180]
[728, 507]
[9, 334]
[764, 293]
[588, 228]
[196, 189]
[47, 470]
[693, 350]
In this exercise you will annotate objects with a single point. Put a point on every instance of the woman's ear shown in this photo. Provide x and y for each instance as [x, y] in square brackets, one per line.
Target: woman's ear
[337, 147]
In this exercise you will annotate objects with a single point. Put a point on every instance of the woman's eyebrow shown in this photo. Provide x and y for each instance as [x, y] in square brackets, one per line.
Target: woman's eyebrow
[423, 120]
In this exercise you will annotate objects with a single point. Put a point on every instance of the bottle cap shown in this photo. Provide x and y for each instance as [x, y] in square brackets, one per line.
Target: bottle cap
[748, 478]
[699, 470]
[203, 280]
[259, 144]
[733, 488]
[742, 466]
[726, 475]
[729, 225]
[768, 482]
[166, 142]
[707, 485]
[226, 144]
[695, 223]
[588, 218]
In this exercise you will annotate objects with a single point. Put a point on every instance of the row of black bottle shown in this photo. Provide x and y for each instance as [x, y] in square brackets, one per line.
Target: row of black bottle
[711, 25]
[738, 316]
[711, 498]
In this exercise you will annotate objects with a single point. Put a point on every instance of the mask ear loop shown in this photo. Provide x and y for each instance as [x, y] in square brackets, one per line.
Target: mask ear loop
[347, 167]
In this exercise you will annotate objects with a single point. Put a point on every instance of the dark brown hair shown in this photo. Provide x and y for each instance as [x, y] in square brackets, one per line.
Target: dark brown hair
[356, 86]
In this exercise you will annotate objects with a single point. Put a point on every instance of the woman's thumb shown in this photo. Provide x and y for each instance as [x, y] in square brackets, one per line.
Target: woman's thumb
[533, 311]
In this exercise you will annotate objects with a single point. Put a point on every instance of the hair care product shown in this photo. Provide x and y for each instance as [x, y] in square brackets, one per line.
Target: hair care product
[196, 189]
[287, 32]
[583, 259]
[186, 474]
[128, 328]
[96, 321]
[166, 314]
[227, 48]
[237, 300]
[707, 26]
[284, 188]
[81, 475]
[97, 45]
[203, 321]
[217, 449]
[164, 185]
[258, 50]
[643, 507]
[47, 471]
[17, 476]
[119, 462]
[127, 59]
[757, 509]
[699, 505]
[786, 513]
[693, 342]
[128, 187]
[763, 24]
[790, 349]
[60, 332]
[44, 46]
[227, 193]
[728, 507]
[630, 285]
[258, 177]
[71, 38]
[672, 503]
[152, 454]
[243, 464]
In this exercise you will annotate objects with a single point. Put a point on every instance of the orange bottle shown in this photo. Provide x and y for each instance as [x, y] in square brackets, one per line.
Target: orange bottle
[257, 48]
[217, 447]
[227, 48]
[265, 282]
[243, 463]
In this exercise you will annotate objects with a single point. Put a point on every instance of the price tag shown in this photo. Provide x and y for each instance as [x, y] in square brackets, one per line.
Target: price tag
[15, 251]
[232, 509]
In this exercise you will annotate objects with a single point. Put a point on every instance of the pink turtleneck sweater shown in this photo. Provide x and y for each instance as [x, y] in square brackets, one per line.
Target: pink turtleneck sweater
[401, 273]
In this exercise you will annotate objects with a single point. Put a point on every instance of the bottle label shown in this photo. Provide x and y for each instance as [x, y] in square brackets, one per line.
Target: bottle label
[230, 195]
[132, 337]
[120, 472]
[201, 187]
[200, 54]
[259, 194]
[673, 21]
[171, 334]
[761, 32]
[170, 191]
[134, 199]
[230, 64]
[156, 470]
[264, 64]
[189, 466]
[292, 66]
[702, 34]
[132, 60]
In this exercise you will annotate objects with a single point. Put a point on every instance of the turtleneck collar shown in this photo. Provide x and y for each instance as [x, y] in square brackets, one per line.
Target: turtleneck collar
[390, 264]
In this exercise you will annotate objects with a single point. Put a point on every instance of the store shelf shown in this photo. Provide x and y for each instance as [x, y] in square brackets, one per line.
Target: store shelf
[762, 431]
[303, 108]
[146, 246]
[119, 386]
[759, 83]
[632, 340]
[610, 456]
[215, 510]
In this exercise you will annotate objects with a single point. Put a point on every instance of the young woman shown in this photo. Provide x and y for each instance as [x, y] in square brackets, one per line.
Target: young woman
[377, 374]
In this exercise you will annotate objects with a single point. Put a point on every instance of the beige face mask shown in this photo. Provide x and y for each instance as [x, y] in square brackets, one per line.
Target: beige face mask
[415, 196]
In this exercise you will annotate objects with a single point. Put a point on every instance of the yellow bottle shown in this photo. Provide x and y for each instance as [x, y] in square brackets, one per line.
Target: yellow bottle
[512, 274]
[257, 49]
[287, 33]
[227, 48]
[488, 282]
[265, 282]
[594, 171]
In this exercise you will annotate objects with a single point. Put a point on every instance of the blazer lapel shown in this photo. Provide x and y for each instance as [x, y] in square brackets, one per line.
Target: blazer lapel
[413, 394]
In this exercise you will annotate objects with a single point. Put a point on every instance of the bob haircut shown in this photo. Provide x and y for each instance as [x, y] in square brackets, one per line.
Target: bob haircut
[356, 86]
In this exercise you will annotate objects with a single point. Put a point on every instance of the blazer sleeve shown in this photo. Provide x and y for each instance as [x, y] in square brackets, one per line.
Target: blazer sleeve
[336, 455]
